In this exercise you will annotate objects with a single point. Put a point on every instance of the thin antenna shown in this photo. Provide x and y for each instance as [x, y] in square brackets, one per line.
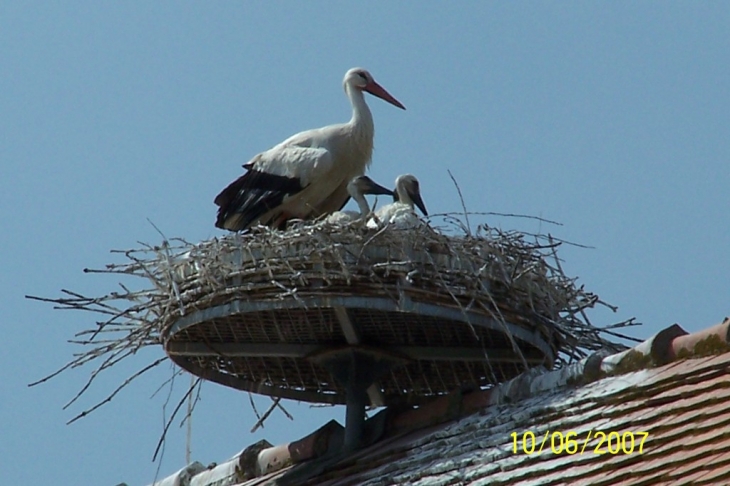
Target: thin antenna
[188, 443]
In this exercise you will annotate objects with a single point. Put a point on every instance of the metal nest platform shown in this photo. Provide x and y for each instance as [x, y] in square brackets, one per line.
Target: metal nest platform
[344, 314]
[283, 348]
[276, 313]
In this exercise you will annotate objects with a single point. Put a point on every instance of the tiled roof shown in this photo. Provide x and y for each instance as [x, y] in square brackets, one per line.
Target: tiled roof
[675, 387]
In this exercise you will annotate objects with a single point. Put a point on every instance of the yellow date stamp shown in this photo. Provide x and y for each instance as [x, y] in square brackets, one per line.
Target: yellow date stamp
[573, 443]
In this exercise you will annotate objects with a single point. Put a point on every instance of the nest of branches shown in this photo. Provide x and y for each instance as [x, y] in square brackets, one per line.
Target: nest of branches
[512, 277]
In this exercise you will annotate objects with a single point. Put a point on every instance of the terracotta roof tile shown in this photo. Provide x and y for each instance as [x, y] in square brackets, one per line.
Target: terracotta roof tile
[711, 341]
[682, 405]
[579, 413]
[693, 478]
[705, 464]
[719, 473]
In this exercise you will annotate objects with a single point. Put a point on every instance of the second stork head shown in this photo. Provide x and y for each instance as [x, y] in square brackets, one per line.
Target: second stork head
[408, 191]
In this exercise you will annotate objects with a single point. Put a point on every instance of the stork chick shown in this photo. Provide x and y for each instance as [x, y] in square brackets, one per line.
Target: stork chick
[401, 213]
[357, 188]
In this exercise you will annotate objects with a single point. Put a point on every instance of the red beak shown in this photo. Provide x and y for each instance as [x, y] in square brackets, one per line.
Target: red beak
[376, 90]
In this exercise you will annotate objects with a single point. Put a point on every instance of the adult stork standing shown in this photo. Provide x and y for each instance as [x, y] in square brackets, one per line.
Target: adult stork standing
[307, 174]
[401, 213]
[357, 188]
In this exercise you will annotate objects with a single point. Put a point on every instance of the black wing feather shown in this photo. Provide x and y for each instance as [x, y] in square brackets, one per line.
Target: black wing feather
[251, 196]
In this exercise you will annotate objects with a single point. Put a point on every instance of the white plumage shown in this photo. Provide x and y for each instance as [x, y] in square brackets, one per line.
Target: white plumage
[357, 188]
[401, 214]
[306, 175]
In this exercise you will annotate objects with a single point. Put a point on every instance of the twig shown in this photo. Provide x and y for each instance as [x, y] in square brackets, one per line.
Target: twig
[513, 277]
[463, 204]
[117, 390]
[172, 417]
[260, 422]
[493, 213]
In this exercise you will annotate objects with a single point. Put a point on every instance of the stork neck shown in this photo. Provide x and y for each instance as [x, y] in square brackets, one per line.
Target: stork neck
[404, 197]
[362, 203]
[361, 119]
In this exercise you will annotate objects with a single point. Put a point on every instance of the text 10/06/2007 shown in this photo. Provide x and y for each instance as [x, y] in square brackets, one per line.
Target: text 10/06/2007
[571, 443]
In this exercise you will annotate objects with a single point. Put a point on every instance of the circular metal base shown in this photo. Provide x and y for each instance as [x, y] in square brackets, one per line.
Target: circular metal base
[271, 347]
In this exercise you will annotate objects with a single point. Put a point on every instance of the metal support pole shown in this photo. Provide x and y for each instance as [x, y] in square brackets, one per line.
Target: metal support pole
[356, 369]
[357, 400]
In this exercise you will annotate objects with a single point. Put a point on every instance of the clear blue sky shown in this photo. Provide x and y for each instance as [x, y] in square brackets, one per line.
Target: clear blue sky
[611, 117]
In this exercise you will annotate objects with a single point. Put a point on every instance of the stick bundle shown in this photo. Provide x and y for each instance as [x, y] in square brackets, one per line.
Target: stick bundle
[509, 275]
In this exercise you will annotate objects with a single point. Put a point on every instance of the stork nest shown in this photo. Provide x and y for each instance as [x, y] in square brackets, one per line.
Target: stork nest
[510, 276]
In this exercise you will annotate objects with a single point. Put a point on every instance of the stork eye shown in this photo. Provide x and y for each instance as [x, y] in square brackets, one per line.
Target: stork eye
[362, 75]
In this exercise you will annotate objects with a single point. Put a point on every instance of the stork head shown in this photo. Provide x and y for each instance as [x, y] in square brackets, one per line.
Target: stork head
[361, 79]
[408, 191]
[362, 185]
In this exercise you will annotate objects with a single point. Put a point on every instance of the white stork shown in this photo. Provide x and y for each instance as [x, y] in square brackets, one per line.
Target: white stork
[357, 188]
[401, 213]
[307, 174]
